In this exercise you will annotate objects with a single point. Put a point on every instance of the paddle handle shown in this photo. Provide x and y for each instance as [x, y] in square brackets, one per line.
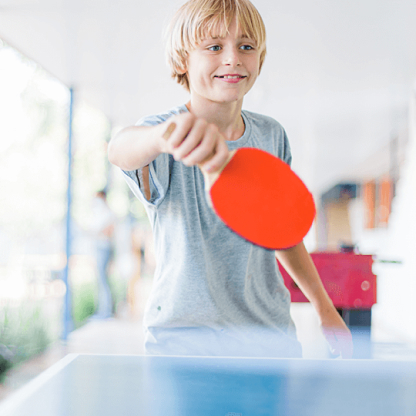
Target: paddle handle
[209, 177]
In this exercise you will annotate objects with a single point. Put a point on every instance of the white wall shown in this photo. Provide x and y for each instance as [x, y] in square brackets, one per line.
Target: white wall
[395, 312]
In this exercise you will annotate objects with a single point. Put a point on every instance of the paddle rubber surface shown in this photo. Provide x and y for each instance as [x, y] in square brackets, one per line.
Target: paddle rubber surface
[260, 198]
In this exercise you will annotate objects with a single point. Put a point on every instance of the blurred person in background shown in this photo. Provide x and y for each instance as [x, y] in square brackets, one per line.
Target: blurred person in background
[103, 221]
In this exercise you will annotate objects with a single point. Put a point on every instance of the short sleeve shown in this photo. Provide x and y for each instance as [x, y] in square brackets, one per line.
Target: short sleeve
[159, 170]
[287, 154]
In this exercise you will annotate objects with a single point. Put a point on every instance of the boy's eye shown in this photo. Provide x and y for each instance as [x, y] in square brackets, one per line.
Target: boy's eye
[216, 48]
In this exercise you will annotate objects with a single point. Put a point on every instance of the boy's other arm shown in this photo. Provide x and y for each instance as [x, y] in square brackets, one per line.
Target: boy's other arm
[298, 263]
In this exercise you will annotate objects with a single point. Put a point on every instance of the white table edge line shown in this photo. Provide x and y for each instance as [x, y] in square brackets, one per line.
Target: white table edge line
[28, 389]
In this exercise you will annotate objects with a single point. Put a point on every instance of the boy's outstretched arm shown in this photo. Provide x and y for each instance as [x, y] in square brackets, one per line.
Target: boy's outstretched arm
[193, 141]
[136, 146]
[298, 263]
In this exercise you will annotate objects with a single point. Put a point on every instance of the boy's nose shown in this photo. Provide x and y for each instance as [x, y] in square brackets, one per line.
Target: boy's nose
[232, 58]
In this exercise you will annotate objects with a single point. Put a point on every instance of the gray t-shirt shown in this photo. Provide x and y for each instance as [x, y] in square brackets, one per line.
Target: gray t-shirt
[213, 292]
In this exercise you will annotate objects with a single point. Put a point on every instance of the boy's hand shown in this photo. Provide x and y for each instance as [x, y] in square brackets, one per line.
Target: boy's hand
[194, 141]
[337, 334]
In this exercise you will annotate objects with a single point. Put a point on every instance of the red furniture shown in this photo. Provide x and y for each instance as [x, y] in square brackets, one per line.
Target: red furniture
[347, 277]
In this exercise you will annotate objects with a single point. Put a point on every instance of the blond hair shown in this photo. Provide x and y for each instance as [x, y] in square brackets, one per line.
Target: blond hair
[197, 18]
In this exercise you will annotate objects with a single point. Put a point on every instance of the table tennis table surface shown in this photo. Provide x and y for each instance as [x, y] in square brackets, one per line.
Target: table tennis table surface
[82, 384]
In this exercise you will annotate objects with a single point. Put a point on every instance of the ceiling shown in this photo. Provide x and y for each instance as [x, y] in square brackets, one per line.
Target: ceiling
[338, 74]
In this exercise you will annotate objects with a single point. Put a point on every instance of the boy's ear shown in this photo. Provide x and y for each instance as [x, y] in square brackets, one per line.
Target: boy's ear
[182, 70]
[182, 67]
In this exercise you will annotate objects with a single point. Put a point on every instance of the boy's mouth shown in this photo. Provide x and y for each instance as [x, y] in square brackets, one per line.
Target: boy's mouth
[230, 76]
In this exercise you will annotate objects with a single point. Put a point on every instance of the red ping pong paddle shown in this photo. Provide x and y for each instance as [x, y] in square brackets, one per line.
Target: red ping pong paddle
[260, 198]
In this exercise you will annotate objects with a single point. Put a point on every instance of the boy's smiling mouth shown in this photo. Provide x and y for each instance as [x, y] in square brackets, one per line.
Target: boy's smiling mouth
[230, 78]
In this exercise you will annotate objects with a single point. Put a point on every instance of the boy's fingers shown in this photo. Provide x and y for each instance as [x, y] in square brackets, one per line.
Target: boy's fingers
[193, 139]
[177, 130]
[340, 342]
[221, 154]
[205, 150]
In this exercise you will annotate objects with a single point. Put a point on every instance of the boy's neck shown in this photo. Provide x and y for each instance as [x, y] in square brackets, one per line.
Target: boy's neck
[227, 117]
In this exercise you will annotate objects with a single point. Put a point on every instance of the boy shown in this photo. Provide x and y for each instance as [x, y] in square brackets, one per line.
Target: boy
[214, 293]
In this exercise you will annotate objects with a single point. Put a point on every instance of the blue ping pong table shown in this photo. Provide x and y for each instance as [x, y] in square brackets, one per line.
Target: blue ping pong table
[124, 385]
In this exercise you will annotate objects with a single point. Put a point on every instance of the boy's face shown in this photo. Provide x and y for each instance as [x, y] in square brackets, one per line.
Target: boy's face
[211, 64]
